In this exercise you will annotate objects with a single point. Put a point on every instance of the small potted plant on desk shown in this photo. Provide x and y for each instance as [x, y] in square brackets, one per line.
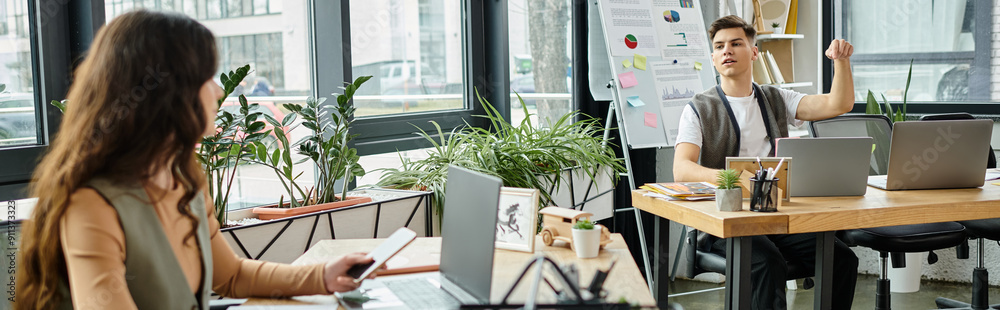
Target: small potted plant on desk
[729, 195]
[777, 28]
[586, 238]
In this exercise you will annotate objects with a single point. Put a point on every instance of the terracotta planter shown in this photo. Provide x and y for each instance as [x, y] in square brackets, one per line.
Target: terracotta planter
[272, 213]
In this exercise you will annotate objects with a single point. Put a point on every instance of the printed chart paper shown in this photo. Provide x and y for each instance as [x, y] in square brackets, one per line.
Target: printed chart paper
[630, 27]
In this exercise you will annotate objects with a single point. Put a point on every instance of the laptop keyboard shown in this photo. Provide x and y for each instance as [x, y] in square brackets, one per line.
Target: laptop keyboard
[421, 294]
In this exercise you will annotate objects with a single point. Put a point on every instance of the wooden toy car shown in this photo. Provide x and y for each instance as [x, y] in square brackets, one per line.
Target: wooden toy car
[557, 224]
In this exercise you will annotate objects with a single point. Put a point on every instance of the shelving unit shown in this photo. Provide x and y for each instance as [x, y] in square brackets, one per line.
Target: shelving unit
[782, 48]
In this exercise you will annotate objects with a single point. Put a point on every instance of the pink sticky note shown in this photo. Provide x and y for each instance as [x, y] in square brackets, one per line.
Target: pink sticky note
[650, 119]
[627, 79]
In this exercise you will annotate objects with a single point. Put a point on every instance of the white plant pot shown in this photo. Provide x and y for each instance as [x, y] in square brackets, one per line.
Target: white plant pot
[779, 30]
[578, 191]
[284, 240]
[587, 242]
[729, 199]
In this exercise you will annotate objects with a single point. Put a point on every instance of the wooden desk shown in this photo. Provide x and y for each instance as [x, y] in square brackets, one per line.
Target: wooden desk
[822, 215]
[623, 281]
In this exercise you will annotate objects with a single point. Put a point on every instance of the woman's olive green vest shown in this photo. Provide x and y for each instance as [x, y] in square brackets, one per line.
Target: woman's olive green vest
[153, 275]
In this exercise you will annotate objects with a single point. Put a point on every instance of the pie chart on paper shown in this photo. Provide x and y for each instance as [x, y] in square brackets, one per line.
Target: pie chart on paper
[630, 41]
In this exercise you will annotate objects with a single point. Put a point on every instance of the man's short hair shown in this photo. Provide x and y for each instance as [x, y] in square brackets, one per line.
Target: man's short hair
[732, 21]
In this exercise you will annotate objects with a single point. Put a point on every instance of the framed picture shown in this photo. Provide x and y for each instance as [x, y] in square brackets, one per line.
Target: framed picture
[517, 217]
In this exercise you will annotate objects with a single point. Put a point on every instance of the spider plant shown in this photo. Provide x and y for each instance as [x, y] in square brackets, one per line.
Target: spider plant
[521, 155]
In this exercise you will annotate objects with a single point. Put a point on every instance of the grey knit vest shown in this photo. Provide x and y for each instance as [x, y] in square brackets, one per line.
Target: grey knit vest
[153, 275]
[721, 133]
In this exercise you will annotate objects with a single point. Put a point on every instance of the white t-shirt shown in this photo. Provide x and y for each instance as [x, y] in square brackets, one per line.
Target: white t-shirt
[753, 134]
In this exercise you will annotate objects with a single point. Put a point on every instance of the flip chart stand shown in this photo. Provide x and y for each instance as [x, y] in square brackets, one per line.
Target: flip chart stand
[628, 174]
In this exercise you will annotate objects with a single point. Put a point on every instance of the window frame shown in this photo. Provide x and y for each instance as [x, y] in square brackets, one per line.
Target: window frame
[485, 55]
[53, 47]
[979, 61]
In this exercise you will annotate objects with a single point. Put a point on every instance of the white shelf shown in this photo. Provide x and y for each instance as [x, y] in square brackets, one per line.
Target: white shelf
[772, 36]
[796, 84]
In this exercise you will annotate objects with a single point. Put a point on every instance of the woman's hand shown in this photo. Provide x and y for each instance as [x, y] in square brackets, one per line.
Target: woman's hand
[335, 273]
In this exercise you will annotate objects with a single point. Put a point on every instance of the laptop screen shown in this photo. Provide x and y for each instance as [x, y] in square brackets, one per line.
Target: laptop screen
[468, 230]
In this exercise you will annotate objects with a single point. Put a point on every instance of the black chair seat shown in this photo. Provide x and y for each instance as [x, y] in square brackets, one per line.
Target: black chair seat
[988, 228]
[908, 238]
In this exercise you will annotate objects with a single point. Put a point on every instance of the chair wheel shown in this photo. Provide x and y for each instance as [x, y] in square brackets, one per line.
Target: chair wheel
[808, 283]
[931, 258]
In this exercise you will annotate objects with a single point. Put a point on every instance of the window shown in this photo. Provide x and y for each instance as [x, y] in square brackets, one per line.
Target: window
[264, 54]
[418, 44]
[948, 41]
[201, 9]
[19, 118]
[540, 59]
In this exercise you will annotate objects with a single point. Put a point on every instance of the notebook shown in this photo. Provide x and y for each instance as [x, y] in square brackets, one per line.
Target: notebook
[827, 166]
[936, 155]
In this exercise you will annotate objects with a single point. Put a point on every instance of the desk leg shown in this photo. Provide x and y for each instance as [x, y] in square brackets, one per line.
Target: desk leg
[824, 271]
[660, 265]
[738, 282]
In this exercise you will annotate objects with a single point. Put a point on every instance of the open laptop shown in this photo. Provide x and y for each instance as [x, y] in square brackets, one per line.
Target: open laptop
[936, 155]
[467, 244]
[827, 166]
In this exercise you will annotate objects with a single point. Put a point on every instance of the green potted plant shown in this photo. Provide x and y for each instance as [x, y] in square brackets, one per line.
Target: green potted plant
[586, 238]
[327, 146]
[222, 153]
[872, 106]
[729, 194]
[522, 155]
[777, 28]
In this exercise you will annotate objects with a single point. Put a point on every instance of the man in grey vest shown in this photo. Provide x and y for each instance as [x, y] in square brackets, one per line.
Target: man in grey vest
[741, 118]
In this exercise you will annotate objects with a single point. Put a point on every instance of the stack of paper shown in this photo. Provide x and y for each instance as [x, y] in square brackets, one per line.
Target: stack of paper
[682, 190]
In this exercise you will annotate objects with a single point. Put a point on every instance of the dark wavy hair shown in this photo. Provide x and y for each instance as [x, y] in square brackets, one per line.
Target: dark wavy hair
[133, 109]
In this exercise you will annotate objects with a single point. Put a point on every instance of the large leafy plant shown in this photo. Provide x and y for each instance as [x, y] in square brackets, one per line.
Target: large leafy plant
[222, 153]
[521, 155]
[328, 146]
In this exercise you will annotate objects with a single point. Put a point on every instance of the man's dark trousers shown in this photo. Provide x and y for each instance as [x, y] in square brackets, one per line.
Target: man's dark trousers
[769, 260]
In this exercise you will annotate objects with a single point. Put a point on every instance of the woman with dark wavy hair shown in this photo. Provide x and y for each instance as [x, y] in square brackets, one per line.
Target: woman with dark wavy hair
[123, 220]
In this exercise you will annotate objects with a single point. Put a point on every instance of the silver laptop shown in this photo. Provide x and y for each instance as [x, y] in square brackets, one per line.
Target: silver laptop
[936, 155]
[827, 166]
[467, 244]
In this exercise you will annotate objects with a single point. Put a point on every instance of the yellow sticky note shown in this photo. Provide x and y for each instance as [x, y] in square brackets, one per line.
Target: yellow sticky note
[639, 62]
[697, 66]
[996, 183]
[626, 63]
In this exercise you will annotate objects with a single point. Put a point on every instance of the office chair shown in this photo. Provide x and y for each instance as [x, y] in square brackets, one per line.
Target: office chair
[891, 241]
[978, 229]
